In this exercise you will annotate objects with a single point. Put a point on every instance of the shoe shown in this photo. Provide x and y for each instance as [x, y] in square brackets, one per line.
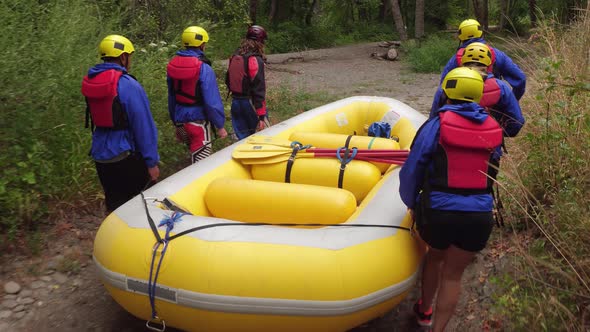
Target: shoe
[423, 318]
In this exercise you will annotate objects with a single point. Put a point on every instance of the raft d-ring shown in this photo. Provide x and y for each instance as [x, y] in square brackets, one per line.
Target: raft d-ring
[156, 320]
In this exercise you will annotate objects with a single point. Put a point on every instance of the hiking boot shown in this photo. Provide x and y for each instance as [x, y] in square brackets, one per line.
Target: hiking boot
[423, 318]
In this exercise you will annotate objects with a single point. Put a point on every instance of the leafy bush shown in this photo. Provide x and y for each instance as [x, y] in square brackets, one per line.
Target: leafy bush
[549, 188]
[431, 55]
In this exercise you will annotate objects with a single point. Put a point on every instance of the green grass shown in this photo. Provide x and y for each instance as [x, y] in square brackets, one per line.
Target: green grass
[430, 55]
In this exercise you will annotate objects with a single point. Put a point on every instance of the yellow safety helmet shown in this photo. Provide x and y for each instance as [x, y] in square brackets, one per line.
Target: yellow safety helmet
[194, 36]
[113, 46]
[469, 29]
[463, 84]
[477, 52]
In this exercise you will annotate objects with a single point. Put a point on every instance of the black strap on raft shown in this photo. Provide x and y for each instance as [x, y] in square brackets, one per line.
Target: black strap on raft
[343, 161]
[230, 224]
[151, 221]
[194, 229]
[296, 146]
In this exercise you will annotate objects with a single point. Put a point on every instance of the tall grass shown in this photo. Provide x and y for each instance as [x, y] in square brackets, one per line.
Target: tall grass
[548, 185]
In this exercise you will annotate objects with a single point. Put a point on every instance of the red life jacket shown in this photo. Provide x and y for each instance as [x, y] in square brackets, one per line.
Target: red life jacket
[184, 72]
[238, 79]
[102, 100]
[460, 52]
[491, 93]
[463, 160]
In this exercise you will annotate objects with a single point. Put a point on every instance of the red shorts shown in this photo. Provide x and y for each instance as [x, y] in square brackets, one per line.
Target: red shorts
[197, 137]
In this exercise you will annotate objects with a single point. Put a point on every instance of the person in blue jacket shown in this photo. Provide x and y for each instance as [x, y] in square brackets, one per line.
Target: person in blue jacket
[470, 31]
[124, 138]
[498, 98]
[446, 184]
[194, 102]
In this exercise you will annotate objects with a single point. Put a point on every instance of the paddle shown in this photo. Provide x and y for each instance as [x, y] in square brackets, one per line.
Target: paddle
[285, 157]
[247, 150]
[267, 154]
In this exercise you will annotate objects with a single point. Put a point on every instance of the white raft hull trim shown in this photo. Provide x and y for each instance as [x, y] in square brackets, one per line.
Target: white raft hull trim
[253, 305]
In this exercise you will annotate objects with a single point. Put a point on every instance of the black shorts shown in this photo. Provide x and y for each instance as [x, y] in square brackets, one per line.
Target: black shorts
[469, 231]
[122, 180]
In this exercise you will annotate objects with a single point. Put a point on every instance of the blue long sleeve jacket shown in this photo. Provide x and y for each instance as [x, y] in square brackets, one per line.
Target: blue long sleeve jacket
[141, 135]
[507, 111]
[504, 68]
[212, 108]
[421, 158]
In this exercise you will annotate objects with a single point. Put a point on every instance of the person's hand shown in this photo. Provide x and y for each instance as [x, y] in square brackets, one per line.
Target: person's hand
[154, 173]
[412, 215]
[222, 133]
[261, 125]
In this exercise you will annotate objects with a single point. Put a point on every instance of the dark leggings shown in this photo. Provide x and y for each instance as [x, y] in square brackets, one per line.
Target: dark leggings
[122, 180]
[469, 231]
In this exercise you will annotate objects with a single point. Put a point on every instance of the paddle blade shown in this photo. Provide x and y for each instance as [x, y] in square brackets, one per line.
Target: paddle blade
[257, 151]
[268, 140]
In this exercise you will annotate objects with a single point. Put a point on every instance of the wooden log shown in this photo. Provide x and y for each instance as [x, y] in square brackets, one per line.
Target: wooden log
[392, 54]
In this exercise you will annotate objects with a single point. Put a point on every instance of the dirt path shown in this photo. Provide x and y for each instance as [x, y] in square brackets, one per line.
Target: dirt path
[59, 290]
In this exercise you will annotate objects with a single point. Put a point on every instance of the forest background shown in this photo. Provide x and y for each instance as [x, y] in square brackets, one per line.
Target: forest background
[49, 45]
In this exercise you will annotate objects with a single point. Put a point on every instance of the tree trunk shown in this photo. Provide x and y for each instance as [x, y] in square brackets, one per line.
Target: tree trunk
[273, 11]
[481, 12]
[399, 21]
[253, 5]
[311, 10]
[419, 20]
[503, 13]
[533, 12]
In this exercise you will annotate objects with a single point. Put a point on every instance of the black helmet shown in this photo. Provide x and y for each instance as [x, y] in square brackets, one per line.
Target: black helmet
[256, 32]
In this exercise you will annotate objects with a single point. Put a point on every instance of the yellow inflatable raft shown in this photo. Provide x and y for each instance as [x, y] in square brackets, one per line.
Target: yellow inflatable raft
[228, 245]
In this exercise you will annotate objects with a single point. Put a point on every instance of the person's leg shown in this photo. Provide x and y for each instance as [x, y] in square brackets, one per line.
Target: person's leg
[455, 262]
[243, 117]
[122, 180]
[435, 233]
[431, 273]
[200, 138]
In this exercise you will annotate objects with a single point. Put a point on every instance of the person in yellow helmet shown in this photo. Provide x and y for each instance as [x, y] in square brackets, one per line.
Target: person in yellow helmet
[194, 102]
[471, 31]
[446, 184]
[124, 138]
[498, 99]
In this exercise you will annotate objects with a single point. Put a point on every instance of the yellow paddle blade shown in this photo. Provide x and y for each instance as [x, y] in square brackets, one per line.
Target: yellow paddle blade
[251, 151]
[269, 140]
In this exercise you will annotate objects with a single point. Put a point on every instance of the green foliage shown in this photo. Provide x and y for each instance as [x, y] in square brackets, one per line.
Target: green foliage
[431, 55]
[551, 189]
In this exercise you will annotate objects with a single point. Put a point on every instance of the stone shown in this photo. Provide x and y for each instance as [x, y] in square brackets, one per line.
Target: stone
[9, 304]
[77, 282]
[12, 287]
[19, 308]
[60, 278]
[46, 278]
[37, 284]
[54, 263]
[10, 296]
[20, 314]
[26, 293]
[5, 314]
[26, 300]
